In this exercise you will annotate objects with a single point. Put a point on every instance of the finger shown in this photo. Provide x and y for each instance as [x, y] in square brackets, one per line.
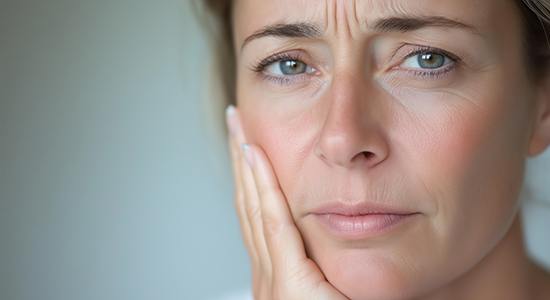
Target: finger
[254, 211]
[284, 242]
[239, 201]
[250, 200]
[234, 124]
[246, 227]
[256, 264]
[295, 272]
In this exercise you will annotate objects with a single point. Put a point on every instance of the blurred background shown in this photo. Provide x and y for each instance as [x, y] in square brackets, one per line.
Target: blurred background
[115, 180]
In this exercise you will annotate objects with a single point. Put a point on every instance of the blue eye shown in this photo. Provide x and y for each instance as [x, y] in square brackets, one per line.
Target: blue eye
[288, 67]
[427, 60]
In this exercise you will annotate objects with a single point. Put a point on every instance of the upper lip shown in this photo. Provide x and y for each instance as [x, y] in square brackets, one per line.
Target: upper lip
[360, 208]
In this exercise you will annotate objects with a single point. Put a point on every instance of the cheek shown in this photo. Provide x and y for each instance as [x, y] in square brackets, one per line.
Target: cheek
[285, 140]
[470, 161]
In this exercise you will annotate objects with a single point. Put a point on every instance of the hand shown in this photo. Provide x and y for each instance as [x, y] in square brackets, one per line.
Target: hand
[280, 266]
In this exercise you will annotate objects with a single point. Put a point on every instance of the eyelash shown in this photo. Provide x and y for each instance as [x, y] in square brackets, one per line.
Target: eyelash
[438, 73]
[261, 65]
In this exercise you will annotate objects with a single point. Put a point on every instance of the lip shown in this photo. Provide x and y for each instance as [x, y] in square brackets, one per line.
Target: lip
[361, 220]
[361, 208]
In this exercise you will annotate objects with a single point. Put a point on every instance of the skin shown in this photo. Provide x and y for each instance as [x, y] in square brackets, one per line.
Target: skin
[363, 126]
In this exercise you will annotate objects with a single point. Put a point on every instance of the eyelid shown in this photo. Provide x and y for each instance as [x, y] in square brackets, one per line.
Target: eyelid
[414, 60]
[419, 49]
[423, 73]
[277, 65]
[261, 65]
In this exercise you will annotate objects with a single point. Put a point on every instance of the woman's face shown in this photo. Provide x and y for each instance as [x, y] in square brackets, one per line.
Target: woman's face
[421, 106]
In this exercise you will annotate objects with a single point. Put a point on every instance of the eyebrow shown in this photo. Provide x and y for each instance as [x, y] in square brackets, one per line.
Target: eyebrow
[296, 30]
[391, 24]
[404, 24]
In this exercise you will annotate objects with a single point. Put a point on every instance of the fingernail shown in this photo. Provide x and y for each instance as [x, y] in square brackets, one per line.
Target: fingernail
[230, 110]
[248, 154]
[229, 113]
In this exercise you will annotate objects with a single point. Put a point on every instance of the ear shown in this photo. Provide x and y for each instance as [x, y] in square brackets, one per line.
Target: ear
[540, 138]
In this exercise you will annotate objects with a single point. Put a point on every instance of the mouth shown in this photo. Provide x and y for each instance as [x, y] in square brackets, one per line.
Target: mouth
[361, 221]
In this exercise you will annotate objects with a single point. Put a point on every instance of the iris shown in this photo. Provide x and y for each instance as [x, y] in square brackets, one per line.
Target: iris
[292, 67]
[431, 60]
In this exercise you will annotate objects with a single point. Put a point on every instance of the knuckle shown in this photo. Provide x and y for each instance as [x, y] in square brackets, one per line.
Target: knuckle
[254, 260]
[254, 211]
[272, 226]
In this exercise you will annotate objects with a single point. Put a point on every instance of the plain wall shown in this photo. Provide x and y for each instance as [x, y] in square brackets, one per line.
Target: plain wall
[112, 186]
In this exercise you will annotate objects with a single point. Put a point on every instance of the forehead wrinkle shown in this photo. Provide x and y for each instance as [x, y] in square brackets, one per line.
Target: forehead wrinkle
[357, 11]
[344, 16]
[354, 9]
[339, 15]
[339, 11]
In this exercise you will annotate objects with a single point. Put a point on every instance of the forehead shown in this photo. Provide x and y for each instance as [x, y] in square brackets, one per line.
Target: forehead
[251, 15]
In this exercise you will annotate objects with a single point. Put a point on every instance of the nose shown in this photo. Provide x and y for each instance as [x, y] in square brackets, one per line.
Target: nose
[352, 135]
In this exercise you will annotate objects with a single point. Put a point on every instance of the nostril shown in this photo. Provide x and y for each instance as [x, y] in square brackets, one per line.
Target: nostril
[370, 158]
[368, 155]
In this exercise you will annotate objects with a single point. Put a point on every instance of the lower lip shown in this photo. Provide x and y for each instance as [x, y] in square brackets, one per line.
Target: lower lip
[361, 226]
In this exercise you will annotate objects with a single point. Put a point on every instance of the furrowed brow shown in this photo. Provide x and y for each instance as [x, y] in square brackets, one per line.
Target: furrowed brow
[294, 30]
[390, 24]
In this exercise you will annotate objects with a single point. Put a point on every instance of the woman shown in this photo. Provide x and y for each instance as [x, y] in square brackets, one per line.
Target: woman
[384, 144]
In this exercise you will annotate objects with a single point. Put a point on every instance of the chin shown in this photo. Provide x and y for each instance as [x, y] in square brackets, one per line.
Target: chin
[368, 274]
[393, 266]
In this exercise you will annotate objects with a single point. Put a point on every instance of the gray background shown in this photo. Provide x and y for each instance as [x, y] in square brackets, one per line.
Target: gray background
[114, 184]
